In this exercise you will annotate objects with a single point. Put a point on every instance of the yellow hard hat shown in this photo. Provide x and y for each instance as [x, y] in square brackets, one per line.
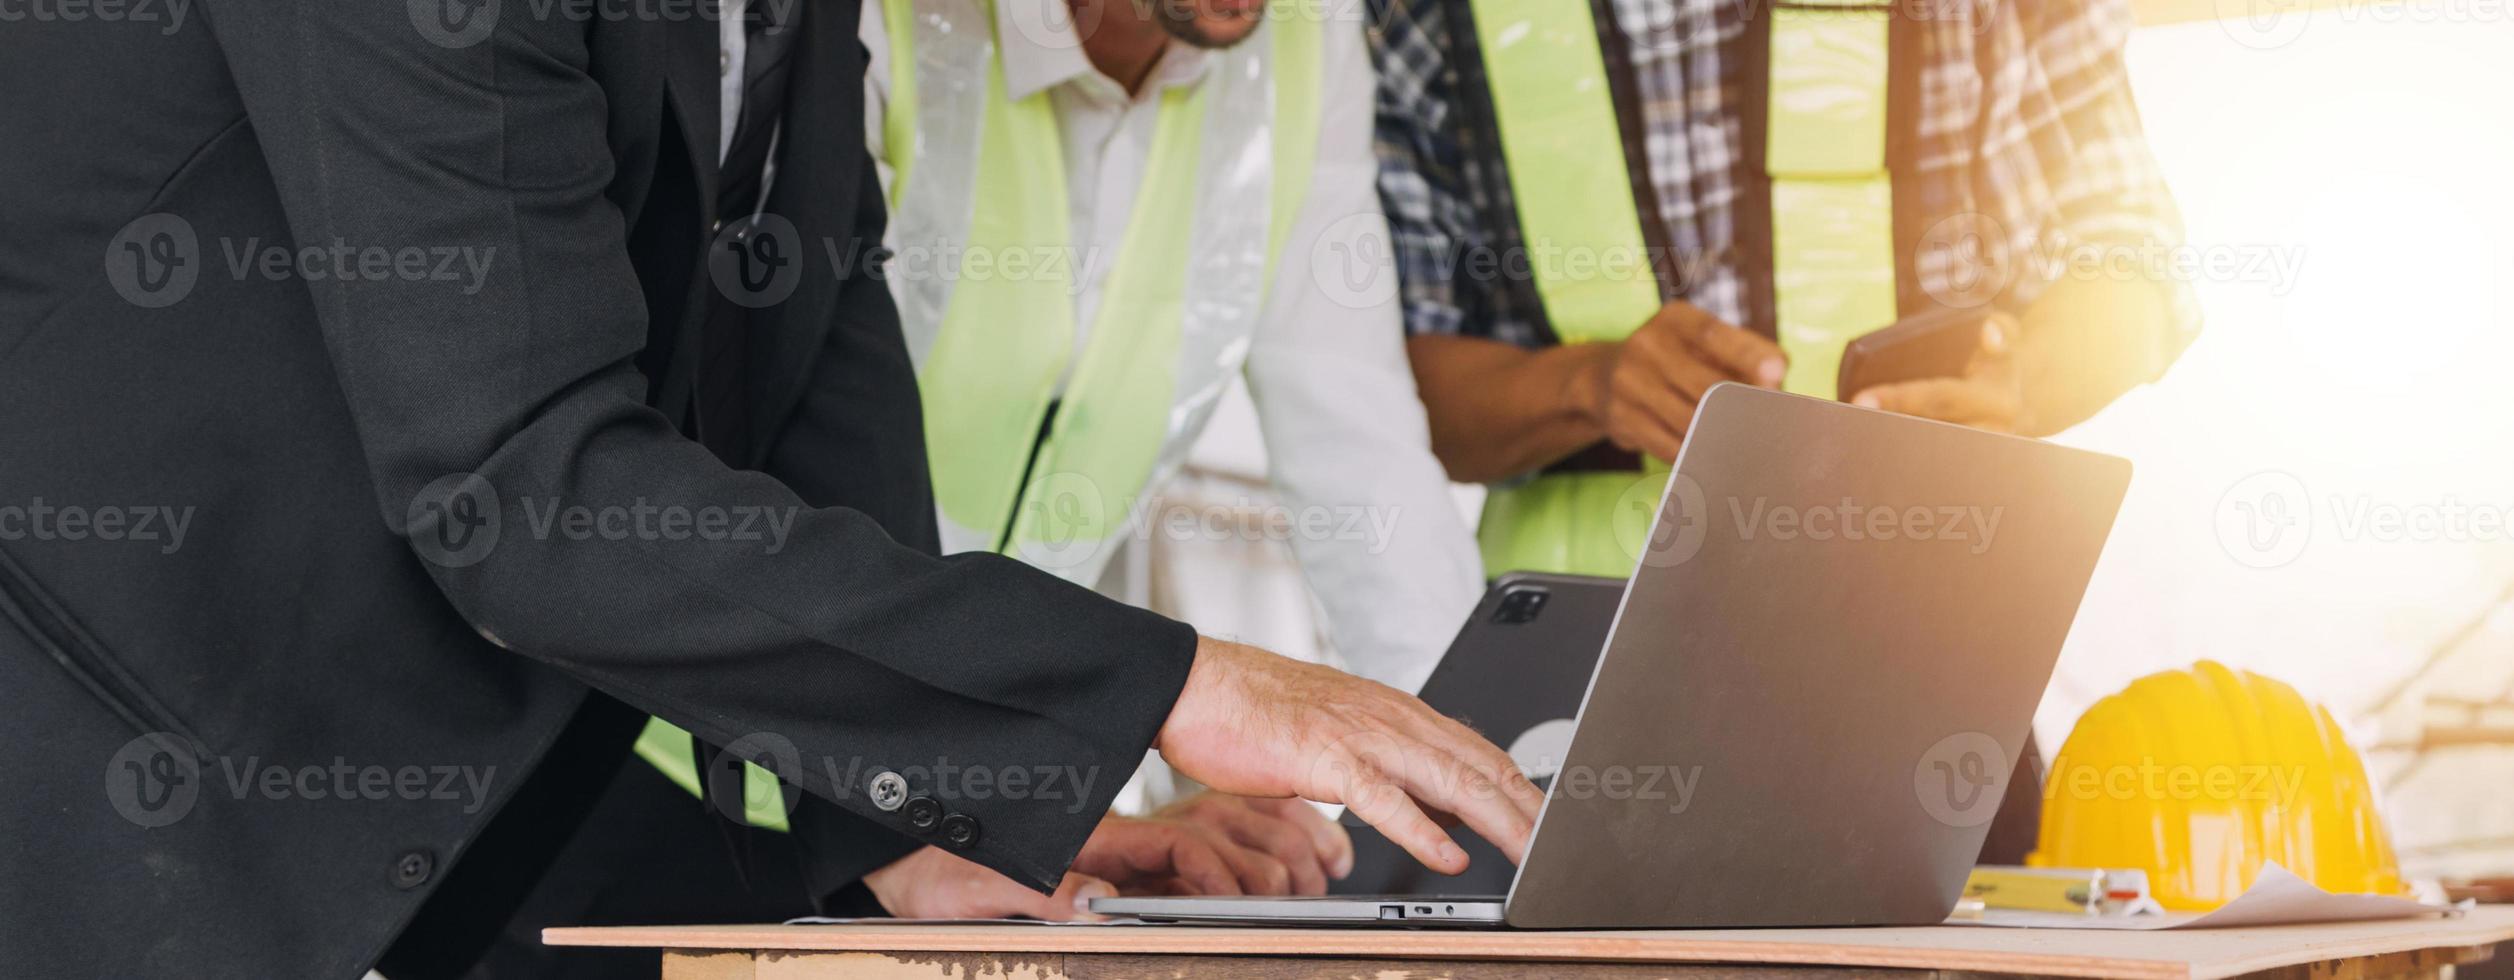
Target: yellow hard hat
[2199, 776]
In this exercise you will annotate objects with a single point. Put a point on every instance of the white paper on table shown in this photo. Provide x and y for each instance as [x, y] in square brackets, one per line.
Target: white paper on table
[2277, 897]
[823, 920]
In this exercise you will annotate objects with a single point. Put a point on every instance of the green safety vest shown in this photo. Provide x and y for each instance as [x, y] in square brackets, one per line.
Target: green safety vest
[1832, 227]
[987, 274]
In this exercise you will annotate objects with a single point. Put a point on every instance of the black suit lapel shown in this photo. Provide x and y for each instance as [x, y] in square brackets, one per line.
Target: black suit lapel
[820, 165]
[693, 63]
[692, 60]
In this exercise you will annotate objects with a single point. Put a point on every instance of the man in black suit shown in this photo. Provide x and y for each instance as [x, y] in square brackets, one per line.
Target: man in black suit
[400, 400]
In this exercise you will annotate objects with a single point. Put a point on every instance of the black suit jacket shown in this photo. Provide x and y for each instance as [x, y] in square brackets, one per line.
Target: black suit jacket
[334, 657]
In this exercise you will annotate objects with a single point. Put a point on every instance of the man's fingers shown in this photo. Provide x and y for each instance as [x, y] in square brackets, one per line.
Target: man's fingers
[1744, 354]
[1997, 330]
[1739, 353]
[1484, 757]
[1381, 802]
[1644, 432]
[1071, 902]
[1272, 836]
[1196, 860]
[1170, 888]
[1486, 790]
[1133, 850]
[1474, 794]
[1261, 873]
[1492, 759]
[1333, 846]
[1650, 416]
[1984, 397]
[1253, 871]
[1689, 375]
[1433, 774]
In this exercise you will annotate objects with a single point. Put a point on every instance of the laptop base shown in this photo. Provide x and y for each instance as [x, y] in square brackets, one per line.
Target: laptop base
[1478, 911]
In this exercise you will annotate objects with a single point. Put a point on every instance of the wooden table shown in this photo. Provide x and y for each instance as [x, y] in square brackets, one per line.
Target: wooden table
[898, 951]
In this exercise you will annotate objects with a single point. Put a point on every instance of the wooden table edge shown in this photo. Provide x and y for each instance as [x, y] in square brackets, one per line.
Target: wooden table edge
[1588, 947]
[2470, 942]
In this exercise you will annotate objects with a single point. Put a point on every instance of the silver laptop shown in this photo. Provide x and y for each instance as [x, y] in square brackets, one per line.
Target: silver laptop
[1811, 697]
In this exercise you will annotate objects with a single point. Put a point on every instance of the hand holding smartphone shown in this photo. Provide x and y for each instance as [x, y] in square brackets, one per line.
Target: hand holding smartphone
[1956, 366]
[1935, 344]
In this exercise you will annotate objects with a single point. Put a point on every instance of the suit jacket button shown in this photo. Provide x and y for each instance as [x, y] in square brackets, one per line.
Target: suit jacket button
[960, 831]
[413, 870]
[889, 789]
[924, 813]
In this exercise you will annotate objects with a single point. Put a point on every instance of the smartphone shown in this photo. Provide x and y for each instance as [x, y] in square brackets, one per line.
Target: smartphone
[1520, 664]
[1936, 344]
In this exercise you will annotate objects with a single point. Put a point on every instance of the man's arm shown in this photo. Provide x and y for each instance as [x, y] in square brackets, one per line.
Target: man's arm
[2080, 346]
[1499, 411]
[1503, 401]
[2086, 345]
[864, 655]
[815, 637]
[2069, 186]
[832, 453]
[1500, 403]
[1396, 569]
[1513, 411]
[2090, 340]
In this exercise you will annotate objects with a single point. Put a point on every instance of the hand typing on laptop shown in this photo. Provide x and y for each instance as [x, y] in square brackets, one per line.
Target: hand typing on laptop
[1207, 844]
[1266, 732]
[1257, 724]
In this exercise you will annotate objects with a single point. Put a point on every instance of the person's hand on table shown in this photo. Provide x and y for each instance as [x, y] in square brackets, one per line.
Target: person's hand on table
[1989, 395]
[1643, 390]
[932, 883]
[1288, 832]
[1196, 851]
[1255, 724]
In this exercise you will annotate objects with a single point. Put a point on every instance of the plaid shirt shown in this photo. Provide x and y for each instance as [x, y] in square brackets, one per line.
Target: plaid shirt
[2027, 145]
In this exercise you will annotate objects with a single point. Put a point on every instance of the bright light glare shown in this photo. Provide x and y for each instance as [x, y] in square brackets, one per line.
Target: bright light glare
[2375, 160]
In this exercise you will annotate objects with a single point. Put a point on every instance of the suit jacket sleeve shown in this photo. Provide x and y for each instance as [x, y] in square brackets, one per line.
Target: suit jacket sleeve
[833, 453]
[505, 430]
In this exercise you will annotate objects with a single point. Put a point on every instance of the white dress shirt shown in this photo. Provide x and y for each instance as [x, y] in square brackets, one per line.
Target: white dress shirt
[1344, 430]
[731, 44]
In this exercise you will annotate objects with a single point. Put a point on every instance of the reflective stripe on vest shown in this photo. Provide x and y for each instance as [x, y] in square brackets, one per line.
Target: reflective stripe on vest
[985, 279]
[1566, 161]
[1832, 231]
[1832, 199]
